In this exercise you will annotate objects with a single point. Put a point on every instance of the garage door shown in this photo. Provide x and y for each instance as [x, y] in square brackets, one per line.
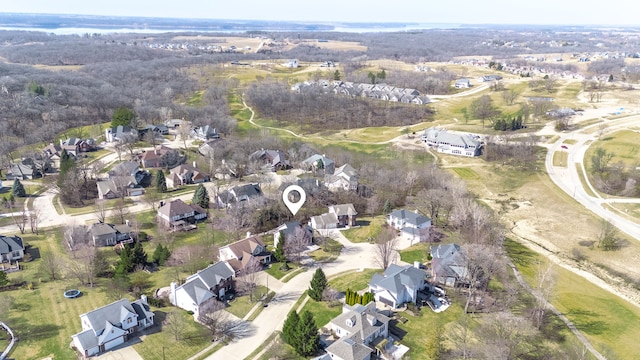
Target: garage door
[113, 343]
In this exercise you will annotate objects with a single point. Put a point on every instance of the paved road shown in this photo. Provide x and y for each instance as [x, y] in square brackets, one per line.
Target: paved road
[568, 178]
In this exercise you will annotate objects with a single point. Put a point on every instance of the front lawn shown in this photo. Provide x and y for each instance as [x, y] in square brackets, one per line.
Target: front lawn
[277, 271]
[368, 228]
[417, 252]
[241, 305]
[322, 312]
[354, 280]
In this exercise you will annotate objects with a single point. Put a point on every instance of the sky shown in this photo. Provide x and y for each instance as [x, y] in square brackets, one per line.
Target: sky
[565, 12]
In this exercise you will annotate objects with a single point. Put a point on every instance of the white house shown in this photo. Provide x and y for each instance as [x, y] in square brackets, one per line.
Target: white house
[344, 178]
[111, 325]
[11, 248]
[245, 252]
[462, 84]
[452, 143]
[397, 285]
[448, 265]
[361, 330]
[209, 284]
[412, 225]
[293, 63]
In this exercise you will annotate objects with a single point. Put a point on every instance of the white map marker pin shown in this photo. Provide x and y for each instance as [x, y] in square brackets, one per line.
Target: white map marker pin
[294, 206]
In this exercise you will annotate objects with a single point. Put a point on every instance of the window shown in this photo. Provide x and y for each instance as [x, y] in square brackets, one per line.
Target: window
[129, 320]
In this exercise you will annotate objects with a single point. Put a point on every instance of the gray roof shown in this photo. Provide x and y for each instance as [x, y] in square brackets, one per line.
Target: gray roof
[396, 278]
[348, 349]
[197, 291]
[444, 250]
[448, 261]
[249, 190]
[87, 339]
[212, 275]
[176, 207]
[9, 244]
[313, 160]
[363, 320]
[125, 168]
[99, 229]
[443, 137]
[347, 170]
[322, 221]
[409, 217]
[113, 313]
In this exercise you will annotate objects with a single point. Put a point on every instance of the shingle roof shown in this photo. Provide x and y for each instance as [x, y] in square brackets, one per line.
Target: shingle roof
[322, 221]
[113, 313]
[196, 290]
[174, 208]
[348, 349]
[409, 217]
[212, 275]
[248, 245]
[343, 210]
[9, 244]
[396, 278]
[363, 320]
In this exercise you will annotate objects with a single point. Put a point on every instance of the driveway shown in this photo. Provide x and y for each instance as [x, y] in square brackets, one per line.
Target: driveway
[123, 353]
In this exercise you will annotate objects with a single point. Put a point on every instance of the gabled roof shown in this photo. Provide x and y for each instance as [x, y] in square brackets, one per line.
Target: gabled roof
[249, 190]
[313, 160]
[113, 313]
[363, 320]
[196, 290]
[444, 250]
[409, 217]
[349, 349]
[125, 168]
[324, 220]
[248, 245]
[343, 210]
[9, 244]
[396, 278]
[347, 170]
[184, 169]
[212, 275]
[448, 261]
[175, 207]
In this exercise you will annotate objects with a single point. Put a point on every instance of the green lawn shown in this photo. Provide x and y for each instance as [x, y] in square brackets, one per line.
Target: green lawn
[466, 173]
[560, 158]
[278, 273]
[611, 324]
[417, 252]
[368, 228]
[241, 305]
[327, 252]
[625, 145]
[322, 312]
[354, 280]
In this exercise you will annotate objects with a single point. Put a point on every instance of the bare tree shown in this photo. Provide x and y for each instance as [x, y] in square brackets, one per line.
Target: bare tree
[545, 279]
[96, 169]
[176, 324]
[461, 335]
[296, 243]
[482, 262]
[120, 210]
[100, 210]
[82, 267]
[50, 265]
[509, 96]
[19, 216]
[128, 141]
[34, 219]
[385, 248]
[247, 281]
[183, 131]
[214, 318]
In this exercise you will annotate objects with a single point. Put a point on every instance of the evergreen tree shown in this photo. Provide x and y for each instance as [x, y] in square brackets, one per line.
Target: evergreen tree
[126, 263]
[279, 253]
[386, 208]
[201, 197]
[336, 75]
[161, 254]
[4, 280]
[139, 256]
[318, 284]
[307, 333]
[18, 189]
[161, 182]
[67, 162]
[290, 327]
[122, 116]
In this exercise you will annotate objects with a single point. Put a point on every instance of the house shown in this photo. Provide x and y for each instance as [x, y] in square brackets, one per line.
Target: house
[561, 112]
[104, 234]
[397, 285]
[273, 160]
[492, 77]
[362, 330]
[338, 216]
[111, 325]
[117, 186]
[412, 225]
[24, 170]
[462, 84]
[186, 174]
[177, 213]
[53, 153]
[238, 194]
[452, 143]
[318, 162]
[120, 133]
[448, 265]
[158, 130]
[11, 248]
[293, 63]
[160, 156]
[245, 252]
[74, 146]
[344, 178]
[209, 284]
[173, 123]
[293, 228]
[204, 133]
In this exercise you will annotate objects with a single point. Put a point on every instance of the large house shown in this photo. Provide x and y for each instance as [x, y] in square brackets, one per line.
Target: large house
[338, 216]
[462, 84]
[108, 234]
[361, 329]
[398, 285]
[120, 133]
[452, 143]
[344, 178]
[11, 248]
[293, 228]
[273, 160]
[318, 162]
[205, 133]
[28, 169]
[177, 214]
[74, 146]
[186, 174]
[412, 225]
[209, 284]
[124, 179]
[111, 325]
[160, 156]
[245, 252]
[448, 265]
[238, 194]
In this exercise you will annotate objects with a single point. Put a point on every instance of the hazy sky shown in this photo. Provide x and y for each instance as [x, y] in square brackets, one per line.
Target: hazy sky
[614, 12]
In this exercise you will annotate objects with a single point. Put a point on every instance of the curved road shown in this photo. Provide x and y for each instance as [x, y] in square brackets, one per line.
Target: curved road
[568, 178]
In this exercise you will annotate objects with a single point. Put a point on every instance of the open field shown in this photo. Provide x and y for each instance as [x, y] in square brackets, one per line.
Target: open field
[624, 144]
[560, 158]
